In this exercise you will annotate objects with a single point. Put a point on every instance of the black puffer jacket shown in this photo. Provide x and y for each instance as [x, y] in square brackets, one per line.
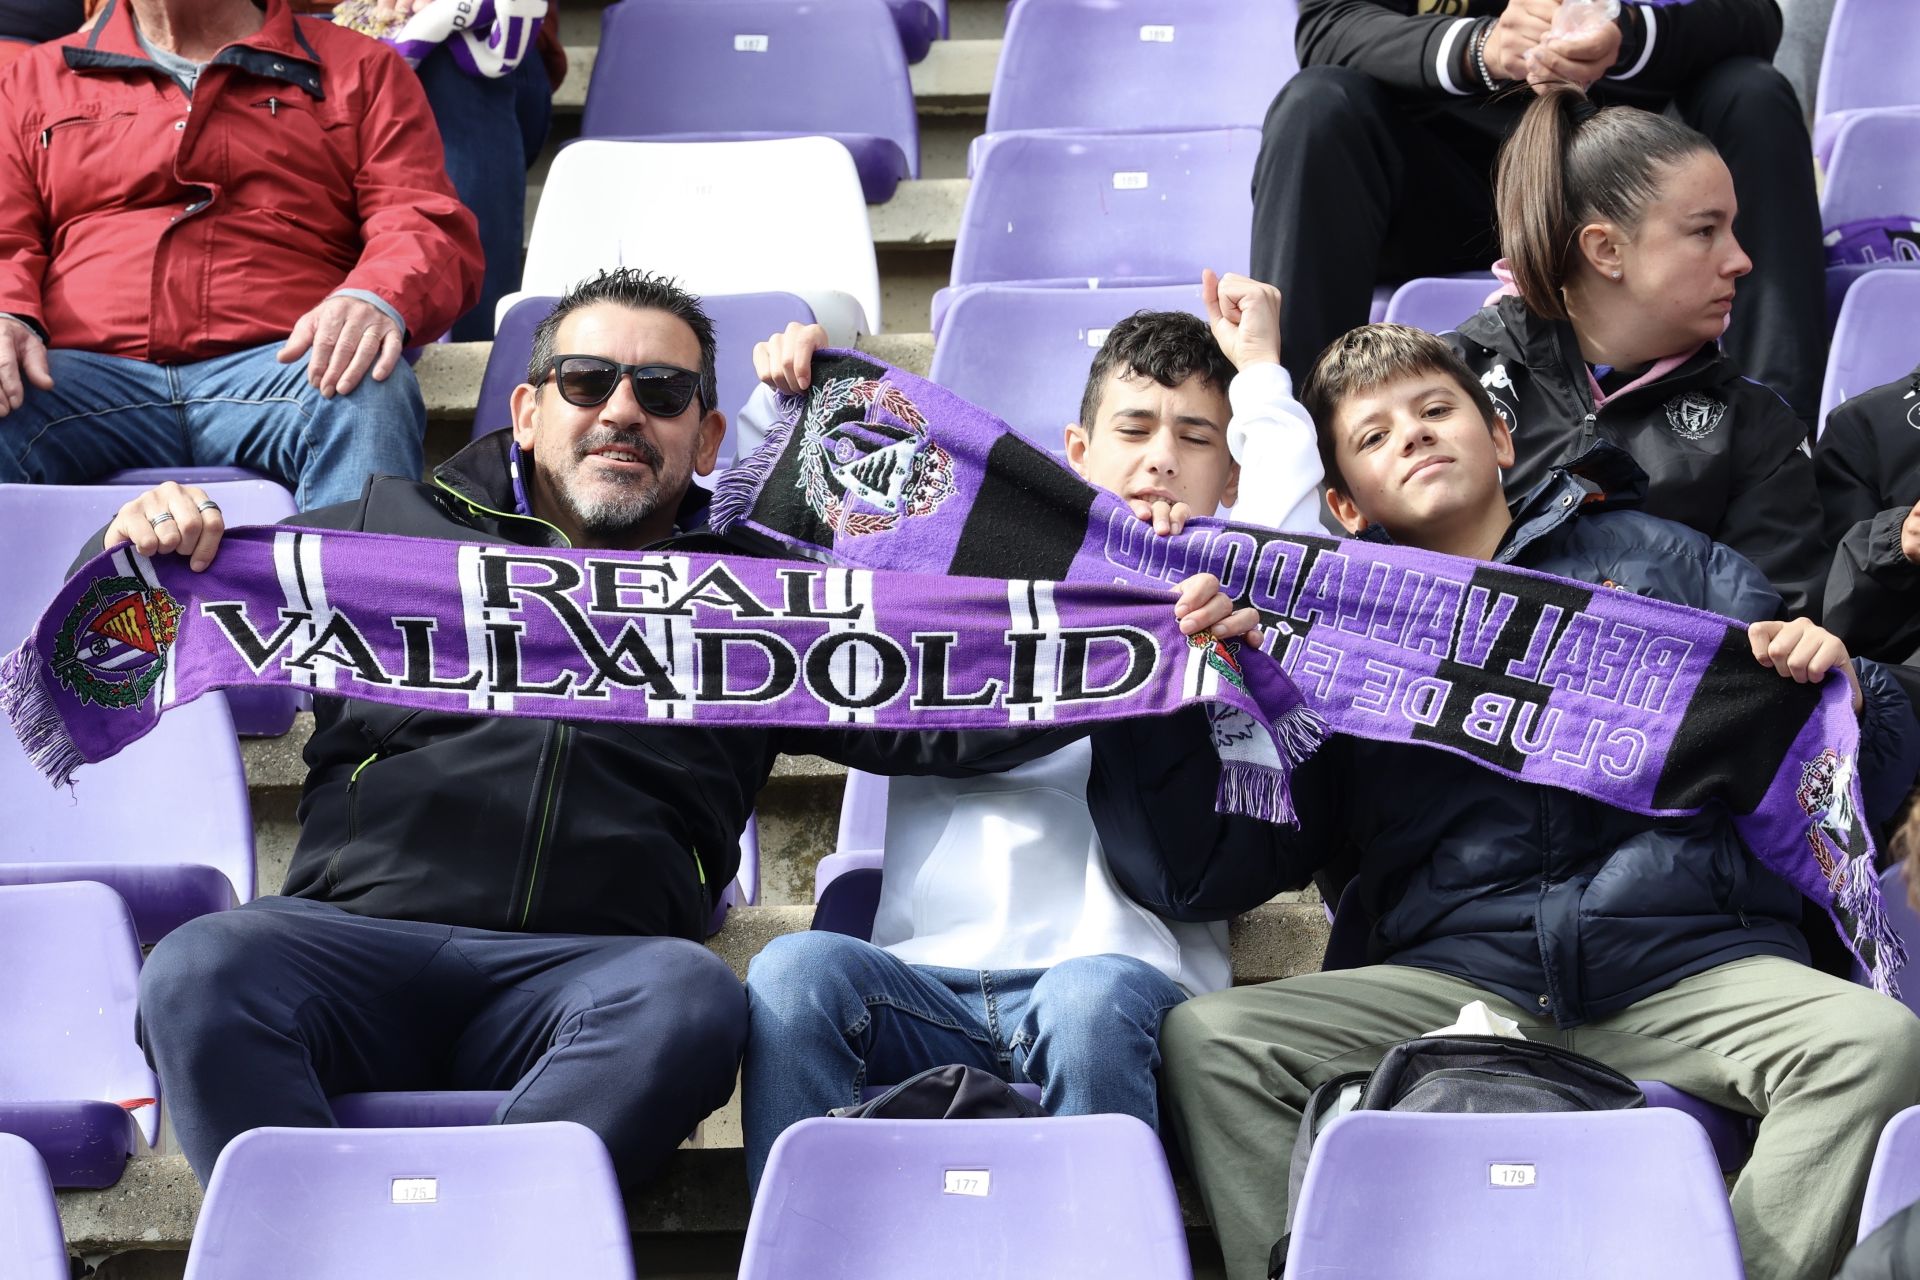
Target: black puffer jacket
[543, 825]
[1557, 902]
[1722, 454]
[1868, 467]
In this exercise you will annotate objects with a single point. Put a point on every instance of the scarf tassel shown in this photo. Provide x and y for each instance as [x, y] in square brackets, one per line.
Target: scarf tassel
[1260, 791]
[1861, 914]
[739, 486]
[25, 699]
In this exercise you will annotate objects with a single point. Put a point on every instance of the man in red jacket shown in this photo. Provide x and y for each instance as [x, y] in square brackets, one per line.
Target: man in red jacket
[200, 194]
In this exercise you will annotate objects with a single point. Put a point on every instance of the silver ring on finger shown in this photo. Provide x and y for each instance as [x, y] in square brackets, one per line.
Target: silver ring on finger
[208, 505]
[162, 518]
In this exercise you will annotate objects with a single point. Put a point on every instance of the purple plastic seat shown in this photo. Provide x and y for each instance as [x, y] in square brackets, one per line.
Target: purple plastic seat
[1871, 61]
[1873, 173]
[1439, 303]
[1022, 353]
[1874, 341]
[713, 70]
[1461, 1197]
[962, 1199]
[495, 1202]
[1109, 209]
[32, 1246]
[1730, 1133]
[920, 23]
[1894, 1181]
[1152, 64]
[67, 1054]
[739, 321]
[44, 528]
[850, 899]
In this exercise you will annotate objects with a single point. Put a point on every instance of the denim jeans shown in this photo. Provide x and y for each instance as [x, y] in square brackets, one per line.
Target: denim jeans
[107, 413]
[828, 1013]
[491, 129]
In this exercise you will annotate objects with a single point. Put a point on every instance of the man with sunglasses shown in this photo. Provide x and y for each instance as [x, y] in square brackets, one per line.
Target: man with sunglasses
[502, 903]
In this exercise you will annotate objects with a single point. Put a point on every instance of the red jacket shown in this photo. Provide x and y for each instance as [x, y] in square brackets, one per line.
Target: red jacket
[137, 222]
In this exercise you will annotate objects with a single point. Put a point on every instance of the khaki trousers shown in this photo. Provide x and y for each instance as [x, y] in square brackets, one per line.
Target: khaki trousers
[1823, 1062]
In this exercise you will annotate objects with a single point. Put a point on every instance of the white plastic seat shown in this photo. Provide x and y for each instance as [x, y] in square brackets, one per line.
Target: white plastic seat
[722, 217]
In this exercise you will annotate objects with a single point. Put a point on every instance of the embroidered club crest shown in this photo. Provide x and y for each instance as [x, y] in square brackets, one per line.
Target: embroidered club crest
[866, 459]
[1220, 655]
[112, 648]
[1693, 415]
[1495, 381]
[1825, 794]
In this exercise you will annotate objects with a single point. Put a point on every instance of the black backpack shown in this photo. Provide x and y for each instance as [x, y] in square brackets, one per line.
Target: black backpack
[1455, 1073]
[952, 1092]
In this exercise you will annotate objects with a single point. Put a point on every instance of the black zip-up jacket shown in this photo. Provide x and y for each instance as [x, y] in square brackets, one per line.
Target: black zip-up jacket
[1722, 454]
[1401, 43]
[549, 826]
[1868, 468]
[1558, 902]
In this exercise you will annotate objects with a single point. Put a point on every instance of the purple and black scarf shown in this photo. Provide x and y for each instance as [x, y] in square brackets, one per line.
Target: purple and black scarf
[627, 636]
[1649, 706]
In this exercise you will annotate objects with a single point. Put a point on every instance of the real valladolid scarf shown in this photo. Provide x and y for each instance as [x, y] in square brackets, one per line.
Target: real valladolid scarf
[733, 640]
[1648, 706]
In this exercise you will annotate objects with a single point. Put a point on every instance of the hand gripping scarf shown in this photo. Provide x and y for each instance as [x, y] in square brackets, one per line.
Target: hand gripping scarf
[1648, 706]
[625, 636]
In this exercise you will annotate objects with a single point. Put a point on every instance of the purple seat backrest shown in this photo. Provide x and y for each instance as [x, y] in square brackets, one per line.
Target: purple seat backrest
[72, 967]
[961, 1199]
[739, 321]
[1871, 59]
[920, 23]
[1875, 168]
[487, 1201]
[1517, 1195]
[1023, 353]
[142, 811]
[1121, 208]
[863, 813]
[1439, 303]
[1894, 1181]
[751, 66]
[1874, 341]
[31, 1244]
[1158, 64]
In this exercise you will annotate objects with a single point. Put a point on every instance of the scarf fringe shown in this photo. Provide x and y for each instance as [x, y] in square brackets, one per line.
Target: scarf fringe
[28, 703]
[1860, 913]
[1260, 791]
[739, 486]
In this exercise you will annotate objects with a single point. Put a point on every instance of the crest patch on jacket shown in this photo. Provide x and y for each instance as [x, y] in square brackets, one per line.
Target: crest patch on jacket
[1694, 414]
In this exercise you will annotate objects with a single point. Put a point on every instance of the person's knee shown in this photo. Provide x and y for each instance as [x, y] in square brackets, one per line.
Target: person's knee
[395, 397]
[1090, 998]
[1865, 1043]
[1743, 93]
[711, 1021]
[798, 973]
[195, 973]
[1320, 100]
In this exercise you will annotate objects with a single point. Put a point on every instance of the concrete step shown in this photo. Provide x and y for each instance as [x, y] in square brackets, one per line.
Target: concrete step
[953, 79]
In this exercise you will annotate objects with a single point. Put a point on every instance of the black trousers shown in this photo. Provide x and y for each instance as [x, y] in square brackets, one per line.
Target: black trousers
[254, 1017]
[1357, 185]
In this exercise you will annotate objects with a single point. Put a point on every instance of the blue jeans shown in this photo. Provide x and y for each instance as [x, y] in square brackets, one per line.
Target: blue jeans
[491, 130]
[828, 1013]
[107, 413]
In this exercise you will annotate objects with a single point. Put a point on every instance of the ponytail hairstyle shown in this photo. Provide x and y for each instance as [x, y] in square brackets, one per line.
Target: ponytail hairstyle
[1569, 164]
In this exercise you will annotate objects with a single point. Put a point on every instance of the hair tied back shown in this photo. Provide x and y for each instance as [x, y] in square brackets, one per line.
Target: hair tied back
[1582, 109]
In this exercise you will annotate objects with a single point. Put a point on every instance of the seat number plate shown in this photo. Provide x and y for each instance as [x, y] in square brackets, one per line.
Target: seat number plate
[1511, 1175]
[416, 1190]
[749, 44]
[1135, 180]
[1156, 35]
[968, 1182]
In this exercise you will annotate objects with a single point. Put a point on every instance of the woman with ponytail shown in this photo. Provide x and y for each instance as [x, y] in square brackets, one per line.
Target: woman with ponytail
[1617, 226]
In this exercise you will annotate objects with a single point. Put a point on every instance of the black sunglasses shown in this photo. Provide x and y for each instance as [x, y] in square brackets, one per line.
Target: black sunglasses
[663, 390]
